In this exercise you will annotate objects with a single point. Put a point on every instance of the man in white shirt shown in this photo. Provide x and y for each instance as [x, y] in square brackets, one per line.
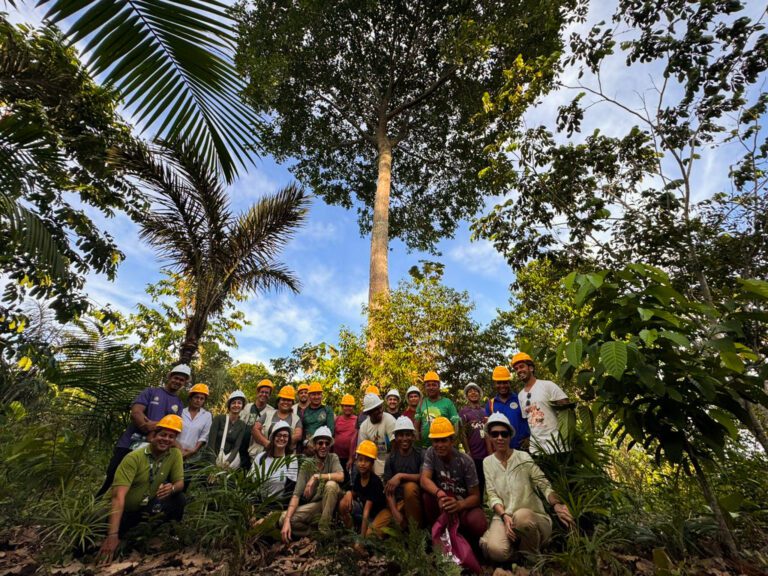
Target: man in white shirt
[196, 422]
[538, 400]
[379, 428]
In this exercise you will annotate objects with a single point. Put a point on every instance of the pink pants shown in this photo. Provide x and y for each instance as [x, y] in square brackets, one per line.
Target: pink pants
[472, 522]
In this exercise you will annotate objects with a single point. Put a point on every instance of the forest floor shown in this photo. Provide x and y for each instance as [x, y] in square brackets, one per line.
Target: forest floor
[22, 554]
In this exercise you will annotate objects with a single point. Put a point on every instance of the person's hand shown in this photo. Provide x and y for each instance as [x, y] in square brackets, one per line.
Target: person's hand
[346, 502]
[308, 489]
[285, 532]
[509, 527]
[525, 443]
[350, 463]
[164, 490]
[399, 518]
[392, 484]
[108, 548]
[564, 515]
[450, 504]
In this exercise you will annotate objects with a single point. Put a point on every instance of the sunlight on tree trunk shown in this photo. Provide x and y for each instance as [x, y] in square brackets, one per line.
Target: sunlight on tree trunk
[379, 274]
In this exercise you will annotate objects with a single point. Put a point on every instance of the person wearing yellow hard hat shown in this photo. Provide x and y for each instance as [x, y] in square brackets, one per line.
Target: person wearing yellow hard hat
[449, 482]
[432, 406]
[345, 433]
[251, 414]
[539, 400]
[263, 428]
[148, 482]
[317, 414]
[197, 423]
[507, 402]
[371, 389]
[303, 400]
[365, 500]
[146, 410]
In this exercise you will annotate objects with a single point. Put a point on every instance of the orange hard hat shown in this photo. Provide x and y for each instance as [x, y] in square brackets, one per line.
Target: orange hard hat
[200, 389]
[368, 448]
[501, 373]
[431, 376]
[521, 357]
[170, 422]
[266, 382]
[315, 387]
[441, 428]
[304, 386]
[287, 392]
[347, 400]
[372, 390]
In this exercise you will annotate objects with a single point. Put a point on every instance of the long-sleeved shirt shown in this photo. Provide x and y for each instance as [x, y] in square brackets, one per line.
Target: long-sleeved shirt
[236, 436]
[514, 487]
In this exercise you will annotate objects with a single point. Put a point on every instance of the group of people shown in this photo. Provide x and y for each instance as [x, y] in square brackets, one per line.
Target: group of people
[393, 464]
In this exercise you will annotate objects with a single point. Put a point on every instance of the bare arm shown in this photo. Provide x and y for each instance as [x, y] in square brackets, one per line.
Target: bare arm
[112, 541]
[140, 420]
[258, 434]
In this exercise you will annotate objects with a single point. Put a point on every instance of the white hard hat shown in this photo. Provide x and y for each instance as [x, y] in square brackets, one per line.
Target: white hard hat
[393, 392]
[472, 385]
[235, 395]
[182, 369]
[413, 389]
[371, 402]
[404, 424]
[322, 432]
[498, 418]
[280, 425]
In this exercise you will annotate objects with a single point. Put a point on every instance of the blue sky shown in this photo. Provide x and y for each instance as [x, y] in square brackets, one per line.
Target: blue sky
[330, 257]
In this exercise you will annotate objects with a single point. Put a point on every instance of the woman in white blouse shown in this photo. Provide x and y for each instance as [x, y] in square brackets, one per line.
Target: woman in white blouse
[512, 478]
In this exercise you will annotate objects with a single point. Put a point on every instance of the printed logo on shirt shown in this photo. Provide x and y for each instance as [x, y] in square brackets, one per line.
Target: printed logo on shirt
[175, 408]
[156, 400]
[450, 484]
[513, 405]
[321, 417]
[535, 415]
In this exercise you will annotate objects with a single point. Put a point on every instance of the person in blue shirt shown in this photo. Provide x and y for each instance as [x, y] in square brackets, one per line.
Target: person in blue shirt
[506, 402]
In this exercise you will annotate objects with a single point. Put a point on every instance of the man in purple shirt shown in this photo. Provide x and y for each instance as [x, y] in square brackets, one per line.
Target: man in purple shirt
[147, 409]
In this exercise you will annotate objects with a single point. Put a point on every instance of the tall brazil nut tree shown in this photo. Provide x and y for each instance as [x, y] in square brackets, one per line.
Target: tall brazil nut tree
[381, 103]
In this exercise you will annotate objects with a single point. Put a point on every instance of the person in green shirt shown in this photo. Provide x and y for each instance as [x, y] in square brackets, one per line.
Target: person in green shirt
[148, 483]
[432, 406]
[316, 414]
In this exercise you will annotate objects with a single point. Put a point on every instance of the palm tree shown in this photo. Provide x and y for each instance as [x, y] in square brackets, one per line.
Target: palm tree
[191, 225]
[171, 60]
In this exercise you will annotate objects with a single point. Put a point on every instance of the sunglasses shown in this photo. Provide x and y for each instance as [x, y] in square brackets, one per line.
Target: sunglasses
[499, 433]
[528, 401]
[322, 443]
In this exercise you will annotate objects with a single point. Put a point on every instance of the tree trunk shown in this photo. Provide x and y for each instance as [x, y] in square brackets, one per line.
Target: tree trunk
[726, 536]
[378, 286]
[754, 425]
[188, 350]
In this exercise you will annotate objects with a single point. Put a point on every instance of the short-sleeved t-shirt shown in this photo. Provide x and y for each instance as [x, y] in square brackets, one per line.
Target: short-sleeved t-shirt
[346, 431]
[511, 408]
[159, 403]
[542, 419]
[276, 475]
[330, 465]
[428, 410]
[454, 477]
[143, 474]
[474, 421]
[315, 417]
[252, 413]
[373, 491]
[269, 419]
[380, 434]
[399, 463]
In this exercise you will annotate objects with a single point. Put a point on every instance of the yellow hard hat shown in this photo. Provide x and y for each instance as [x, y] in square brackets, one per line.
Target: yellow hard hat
[304, 386]
[372, 390]
[288, 392]
[315, 387]
[368, 448]
[501, 373]
[347, 400]
[200, 389]
[170, 422]
[266, 382]
[441, 428]
[431, 376]
[521, 357]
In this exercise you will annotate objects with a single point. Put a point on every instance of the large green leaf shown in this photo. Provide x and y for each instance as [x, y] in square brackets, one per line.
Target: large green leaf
[573, 352]
[613, 356]
[171, 61]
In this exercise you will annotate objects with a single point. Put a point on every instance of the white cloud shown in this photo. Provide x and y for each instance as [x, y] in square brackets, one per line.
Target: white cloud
[335, 291]
[479, 257]
[280, 320]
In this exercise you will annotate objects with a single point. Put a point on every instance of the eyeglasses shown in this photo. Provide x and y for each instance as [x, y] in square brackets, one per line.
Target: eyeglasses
[321, 443]
[528, 401]
[499, 433]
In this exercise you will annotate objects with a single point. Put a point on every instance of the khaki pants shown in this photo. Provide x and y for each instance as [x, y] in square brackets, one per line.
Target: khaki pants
[410, 505]
[533, 531]
[319, 510]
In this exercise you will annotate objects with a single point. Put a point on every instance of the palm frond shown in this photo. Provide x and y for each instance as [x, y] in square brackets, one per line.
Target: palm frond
[171, 61]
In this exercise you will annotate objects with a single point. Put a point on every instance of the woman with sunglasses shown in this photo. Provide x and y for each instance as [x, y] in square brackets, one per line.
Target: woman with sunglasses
[520, 521]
